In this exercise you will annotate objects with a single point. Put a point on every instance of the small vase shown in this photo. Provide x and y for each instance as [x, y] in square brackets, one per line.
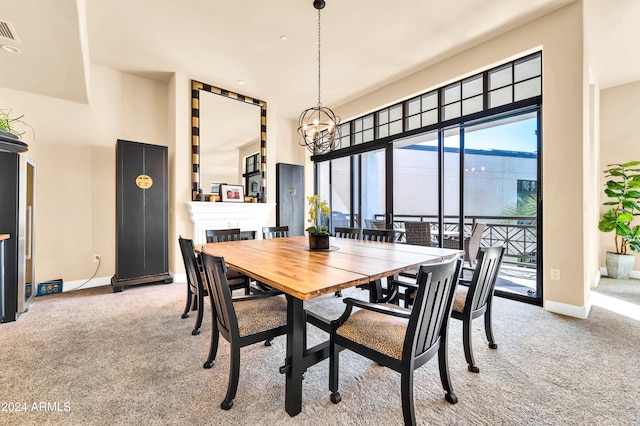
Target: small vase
[318, 241]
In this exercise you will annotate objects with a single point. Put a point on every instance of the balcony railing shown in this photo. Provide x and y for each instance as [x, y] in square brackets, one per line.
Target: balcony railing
[517, 233]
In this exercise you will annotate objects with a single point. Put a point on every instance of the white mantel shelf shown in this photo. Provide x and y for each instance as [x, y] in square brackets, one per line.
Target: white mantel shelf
[246, 216]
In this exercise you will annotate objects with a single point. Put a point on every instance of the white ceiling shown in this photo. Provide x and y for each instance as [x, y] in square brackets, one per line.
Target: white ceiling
[366, 44]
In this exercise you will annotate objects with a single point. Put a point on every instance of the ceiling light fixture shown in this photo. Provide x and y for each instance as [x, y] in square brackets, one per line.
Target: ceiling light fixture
[318, 125]
[241, 82]
[10, 49]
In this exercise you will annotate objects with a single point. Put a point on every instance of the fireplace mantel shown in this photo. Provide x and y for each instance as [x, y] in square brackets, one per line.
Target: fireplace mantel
[246, 216]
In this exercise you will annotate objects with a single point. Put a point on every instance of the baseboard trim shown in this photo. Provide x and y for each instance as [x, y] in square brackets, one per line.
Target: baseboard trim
[93, 282]
[100, 281]
[581, 312]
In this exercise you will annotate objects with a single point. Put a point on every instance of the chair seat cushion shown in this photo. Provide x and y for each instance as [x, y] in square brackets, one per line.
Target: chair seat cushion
[255, 316]
[460, 298]
[383, 333]
[232, 273]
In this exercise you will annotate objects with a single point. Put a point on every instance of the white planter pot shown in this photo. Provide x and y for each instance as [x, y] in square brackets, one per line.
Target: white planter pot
[619, 266]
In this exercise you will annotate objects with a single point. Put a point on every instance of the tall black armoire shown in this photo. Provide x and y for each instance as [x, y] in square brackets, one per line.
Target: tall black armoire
[15, 212]
[290, 197]
[142, 204]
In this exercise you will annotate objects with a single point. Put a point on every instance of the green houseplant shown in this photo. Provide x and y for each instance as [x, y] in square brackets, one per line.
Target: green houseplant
[318, 231]
[623, 190]
[10, 126]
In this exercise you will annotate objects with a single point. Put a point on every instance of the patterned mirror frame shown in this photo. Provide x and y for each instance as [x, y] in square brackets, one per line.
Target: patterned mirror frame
[196, 87]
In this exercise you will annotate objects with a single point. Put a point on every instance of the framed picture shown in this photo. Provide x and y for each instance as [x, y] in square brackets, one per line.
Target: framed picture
[234, 193]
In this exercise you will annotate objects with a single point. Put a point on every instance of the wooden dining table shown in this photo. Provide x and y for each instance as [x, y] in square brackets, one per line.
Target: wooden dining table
[288, 265]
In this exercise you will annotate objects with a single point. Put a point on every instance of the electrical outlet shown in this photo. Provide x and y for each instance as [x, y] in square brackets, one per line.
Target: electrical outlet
[555, 274]
[96, 258]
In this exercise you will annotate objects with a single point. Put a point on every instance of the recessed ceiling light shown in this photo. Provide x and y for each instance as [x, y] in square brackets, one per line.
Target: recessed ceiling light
[283, 37]
[10, 49]
[241, 82]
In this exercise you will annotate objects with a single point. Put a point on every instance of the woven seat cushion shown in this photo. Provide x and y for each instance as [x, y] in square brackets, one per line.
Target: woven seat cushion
[460, 298]
[232, 273]
[232, 280]
[259, 315]
[383, 333]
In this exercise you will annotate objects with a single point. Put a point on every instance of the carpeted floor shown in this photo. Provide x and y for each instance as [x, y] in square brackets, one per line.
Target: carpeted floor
[91, 357]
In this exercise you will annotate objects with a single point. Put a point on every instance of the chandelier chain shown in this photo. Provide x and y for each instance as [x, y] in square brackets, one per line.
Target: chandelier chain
[319, 103]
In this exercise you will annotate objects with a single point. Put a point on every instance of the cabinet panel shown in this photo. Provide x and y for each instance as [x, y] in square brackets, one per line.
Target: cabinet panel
[142, 214]
[9, 173]
[290, 197]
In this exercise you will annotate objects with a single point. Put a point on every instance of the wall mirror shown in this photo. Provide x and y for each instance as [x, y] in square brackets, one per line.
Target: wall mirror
[228, 142]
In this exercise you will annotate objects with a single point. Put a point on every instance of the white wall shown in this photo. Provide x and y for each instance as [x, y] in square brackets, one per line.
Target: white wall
[74, 149]
[619, 140]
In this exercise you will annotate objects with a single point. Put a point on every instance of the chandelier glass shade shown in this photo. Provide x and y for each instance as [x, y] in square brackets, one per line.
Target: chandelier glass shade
[319, 127]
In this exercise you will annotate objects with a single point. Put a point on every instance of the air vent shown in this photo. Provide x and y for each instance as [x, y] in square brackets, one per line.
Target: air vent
[7, 32]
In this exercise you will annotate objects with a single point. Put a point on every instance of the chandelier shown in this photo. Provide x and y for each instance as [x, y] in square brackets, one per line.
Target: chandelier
[319, 126]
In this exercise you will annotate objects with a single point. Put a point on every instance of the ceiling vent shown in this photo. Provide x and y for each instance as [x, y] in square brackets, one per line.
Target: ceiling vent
[7, 32]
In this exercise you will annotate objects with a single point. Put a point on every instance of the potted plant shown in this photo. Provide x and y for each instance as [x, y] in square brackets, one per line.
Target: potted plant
[8, 124]
[623, 190]
[318, 231]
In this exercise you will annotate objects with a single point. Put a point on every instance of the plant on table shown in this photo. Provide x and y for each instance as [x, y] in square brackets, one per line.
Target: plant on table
[318, 211]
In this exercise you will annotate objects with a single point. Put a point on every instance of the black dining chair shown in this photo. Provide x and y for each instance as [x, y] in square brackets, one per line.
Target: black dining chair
[349, 233]
[345, 232]
[380, 293]
[474, 298]
[242, 321]
[247, 235]
[269, 232]
[399, 338]
[222, 235]
[236, 279]
[382, 235]
[195, 288]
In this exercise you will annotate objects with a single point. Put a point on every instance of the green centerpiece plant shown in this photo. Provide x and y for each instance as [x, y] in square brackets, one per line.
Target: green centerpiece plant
[623, 190]
[318, 231]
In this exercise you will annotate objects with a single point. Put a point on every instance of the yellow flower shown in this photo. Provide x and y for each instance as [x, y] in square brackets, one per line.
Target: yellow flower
[318, 212]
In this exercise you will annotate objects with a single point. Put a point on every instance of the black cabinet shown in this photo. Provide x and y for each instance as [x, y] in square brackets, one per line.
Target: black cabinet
[290, 197]
[142, 190]
[9, 170]
[3, 237]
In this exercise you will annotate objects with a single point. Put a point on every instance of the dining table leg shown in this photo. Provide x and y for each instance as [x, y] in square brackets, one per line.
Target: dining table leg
[294, 363]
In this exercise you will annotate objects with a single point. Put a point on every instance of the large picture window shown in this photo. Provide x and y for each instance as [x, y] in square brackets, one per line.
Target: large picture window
[461, 155]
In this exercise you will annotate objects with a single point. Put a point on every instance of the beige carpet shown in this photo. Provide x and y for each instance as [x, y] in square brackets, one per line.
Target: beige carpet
[91, 357]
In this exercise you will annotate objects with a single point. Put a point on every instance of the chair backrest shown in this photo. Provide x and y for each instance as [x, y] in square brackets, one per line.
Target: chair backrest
[351, 233]
[383, 235]
[215, 271]
[375, 224]
[418, 233]
[472, 245]
[194, 279]
[432, 308]
[484, 279]
[269, 232]
[247, 235]
[221, 235]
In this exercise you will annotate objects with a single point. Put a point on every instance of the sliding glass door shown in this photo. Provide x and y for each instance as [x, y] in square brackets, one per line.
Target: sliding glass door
[415, 179]
[501, 191]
